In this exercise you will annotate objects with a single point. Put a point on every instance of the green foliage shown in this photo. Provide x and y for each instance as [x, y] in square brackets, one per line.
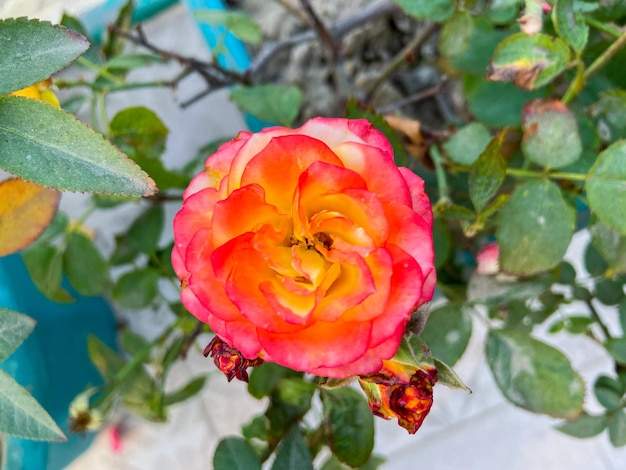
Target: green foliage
[293, 453]
[535, 228]
[84, 266]
[32, 50]
[533, 375]
[235, 22]
[350, 430]
[430, 10]
[20, 414]
[64, 153]
[448, 332]
[271, 103]
[234, 453]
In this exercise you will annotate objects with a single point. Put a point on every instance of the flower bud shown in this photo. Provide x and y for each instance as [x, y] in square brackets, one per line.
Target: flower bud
[229, 360]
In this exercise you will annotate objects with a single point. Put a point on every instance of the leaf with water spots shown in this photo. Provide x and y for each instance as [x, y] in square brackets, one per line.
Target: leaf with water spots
[535, 228]
[533, 375]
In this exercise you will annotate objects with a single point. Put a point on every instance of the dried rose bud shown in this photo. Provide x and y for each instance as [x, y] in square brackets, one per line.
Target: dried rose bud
[229, 360]
[396, 397]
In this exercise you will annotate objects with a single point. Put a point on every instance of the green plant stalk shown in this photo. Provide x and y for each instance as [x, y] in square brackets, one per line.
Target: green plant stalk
[604, 27]
[442, 182]
[99, 70]
[538, 174]
[578, 83]
[104, 118]
[131, 365]
[116, 87]
[597, 318]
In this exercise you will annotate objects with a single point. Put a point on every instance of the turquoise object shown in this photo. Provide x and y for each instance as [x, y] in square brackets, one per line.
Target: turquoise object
[52, 363]
[97, 19]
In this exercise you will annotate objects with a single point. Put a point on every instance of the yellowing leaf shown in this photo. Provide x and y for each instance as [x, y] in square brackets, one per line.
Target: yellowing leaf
[26, 209]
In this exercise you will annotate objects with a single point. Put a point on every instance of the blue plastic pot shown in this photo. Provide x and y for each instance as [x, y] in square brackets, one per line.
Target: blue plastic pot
[52, 363]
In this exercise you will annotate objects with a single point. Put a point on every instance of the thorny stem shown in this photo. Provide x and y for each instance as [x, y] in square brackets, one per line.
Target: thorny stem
[400, 58]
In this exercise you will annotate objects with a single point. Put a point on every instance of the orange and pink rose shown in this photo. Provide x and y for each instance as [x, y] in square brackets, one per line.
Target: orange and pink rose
[307, 247]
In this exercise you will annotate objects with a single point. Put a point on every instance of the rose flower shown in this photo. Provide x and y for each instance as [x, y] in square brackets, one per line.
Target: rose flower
[306, 247]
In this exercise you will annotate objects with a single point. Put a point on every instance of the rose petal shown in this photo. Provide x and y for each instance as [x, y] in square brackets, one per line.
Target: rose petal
[321, 345]
[420, 200]
[279, 165]
[378, 170]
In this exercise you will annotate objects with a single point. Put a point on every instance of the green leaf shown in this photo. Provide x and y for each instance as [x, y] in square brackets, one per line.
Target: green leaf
[454, 40]
[86, 269]
[50, 147]
[293, 453]
[236, 22]
[115, 43]
[606, 187]
[609, 292]
[234, 453]
[137, 289]
[570, 24]
[356, 111]
[135, 387]
[478, 48]
[611, 245]
[529, 61]
[535, 228]
[617, 429]
[264, 378]
[448, 331]
[132, 343]
[14, 329]
[497, 104]
[609, 392]
[446, 376]
[272, 103]
[256, 428]
[290, 400]
[124, 252]
[349, 424]
[22, 416]
[45, 266]
[594, 262]
[442, 242]
[133, 61]
[58, 226]
[610, 110]
[429, 10]
[487, 173]
[533, 375]
[584, 426]
[621, 309]
[145, 232]
[139, 130]
[468, 143]
[32, 50]
[616, 347]
[191, 388]
[551, 138]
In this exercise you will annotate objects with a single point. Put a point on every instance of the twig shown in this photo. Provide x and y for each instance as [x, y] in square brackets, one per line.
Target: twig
[373, 11]
[400, 58]
[292, 10]
[598, 318]
[419, 96]
[213, 73]
[322, 31]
